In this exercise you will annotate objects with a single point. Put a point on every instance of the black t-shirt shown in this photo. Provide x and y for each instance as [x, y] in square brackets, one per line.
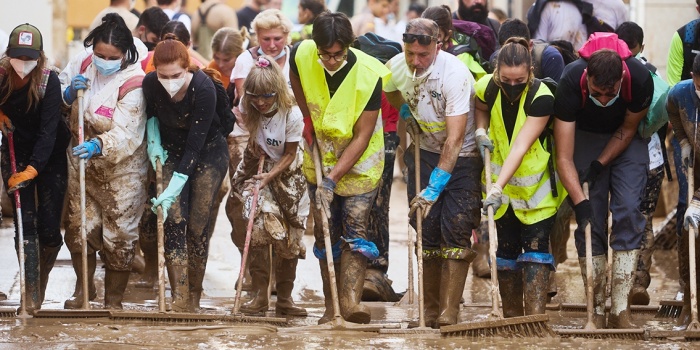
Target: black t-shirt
[246, 16]
[187, 125]
[375, 101]
[541, 106]
[41, 132]
[602, 120]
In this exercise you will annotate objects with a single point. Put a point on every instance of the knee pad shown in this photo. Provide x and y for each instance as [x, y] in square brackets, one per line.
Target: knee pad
[537, 258]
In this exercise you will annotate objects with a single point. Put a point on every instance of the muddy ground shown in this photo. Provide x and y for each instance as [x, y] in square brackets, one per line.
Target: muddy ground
[64, 333]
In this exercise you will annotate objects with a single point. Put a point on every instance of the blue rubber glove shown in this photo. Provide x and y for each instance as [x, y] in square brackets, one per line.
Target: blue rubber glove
[87, 149]
[405, 111]
[154, 147]
[79, 82]
[427, 197]
[168, 197]
[411, 124]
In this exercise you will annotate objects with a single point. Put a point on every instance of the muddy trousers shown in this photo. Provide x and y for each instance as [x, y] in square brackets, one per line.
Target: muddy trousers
[187, 224]
[378, 231]
[42, 206]
[524, 264]
[639, 295]
[684, 270]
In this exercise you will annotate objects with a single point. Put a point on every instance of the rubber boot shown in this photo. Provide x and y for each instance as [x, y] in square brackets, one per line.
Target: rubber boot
[179, 288]
[350, 283]
[196, 276]
[286, 273]
[480, 265]
[624, 266]
[510, 284]
[247, 285]
[600, 265]
[432, 270]
[76, 301]
[31, 275]
[47, 258]
[377, 287]
[328, 314]
[452, 279]
[535, 288]
[639, 295]
[260, 272]
[150, 271]
[115, 285]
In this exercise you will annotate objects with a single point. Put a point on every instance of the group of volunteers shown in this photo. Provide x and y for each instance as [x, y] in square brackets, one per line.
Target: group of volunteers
[543, 126]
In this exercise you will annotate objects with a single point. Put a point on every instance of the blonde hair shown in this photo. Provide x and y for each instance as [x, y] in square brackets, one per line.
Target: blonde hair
[271, 19]
[228, 41]
[264, 80]
[35, 79]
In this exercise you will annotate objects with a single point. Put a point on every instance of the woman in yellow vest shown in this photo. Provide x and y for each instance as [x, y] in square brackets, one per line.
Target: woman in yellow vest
[522, 195]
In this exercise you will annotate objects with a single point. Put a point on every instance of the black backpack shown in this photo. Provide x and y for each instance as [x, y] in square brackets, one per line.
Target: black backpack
[593, 24]
[224, 111]
[546, 138]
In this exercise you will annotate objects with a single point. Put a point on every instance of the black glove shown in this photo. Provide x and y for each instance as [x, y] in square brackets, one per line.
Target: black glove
[584, 213]
[591, 174]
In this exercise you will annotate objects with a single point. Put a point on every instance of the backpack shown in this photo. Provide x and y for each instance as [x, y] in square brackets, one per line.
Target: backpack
[593, 24]
[657, 115]
[691, 46]
[224, 111]
[599, 41]
[476, 39]
[377, 47]
[546, 137]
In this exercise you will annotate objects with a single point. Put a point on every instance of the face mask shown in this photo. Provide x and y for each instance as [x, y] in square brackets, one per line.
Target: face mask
[513, 91]
[281, 54]
[106, 67]
[23, 68]
[149, 45]
[426, 72]
[172, 86]
[611, 102]
[332, 72]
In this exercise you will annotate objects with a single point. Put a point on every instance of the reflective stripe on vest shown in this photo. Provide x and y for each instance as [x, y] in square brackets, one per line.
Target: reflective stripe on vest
[334, 118]
[529, 190]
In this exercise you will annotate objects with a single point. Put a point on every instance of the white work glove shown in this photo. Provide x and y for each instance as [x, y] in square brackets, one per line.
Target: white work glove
[483, 141]
[493, 199]
[692, 214]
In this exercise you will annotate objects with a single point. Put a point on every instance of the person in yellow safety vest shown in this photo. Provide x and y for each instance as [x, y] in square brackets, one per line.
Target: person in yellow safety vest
[521, 196]
[443, 17]
[339, 90]
[434, 93]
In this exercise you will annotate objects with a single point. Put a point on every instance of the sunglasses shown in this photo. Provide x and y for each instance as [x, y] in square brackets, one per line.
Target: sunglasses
[422, 38]
[256, 97]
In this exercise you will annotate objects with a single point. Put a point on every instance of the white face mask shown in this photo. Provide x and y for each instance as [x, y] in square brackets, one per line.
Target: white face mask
[332, 72]
[23, 68]
[172, 86]
[426, 72]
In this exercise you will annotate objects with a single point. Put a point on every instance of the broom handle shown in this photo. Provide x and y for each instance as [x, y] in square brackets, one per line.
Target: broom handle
[411, 247]
[493, 241]
[248, 234]
[20, 229]
[694, 325]
[589, 269]
[316, 154]
[419, 236]
[83, 217]
[161, 239]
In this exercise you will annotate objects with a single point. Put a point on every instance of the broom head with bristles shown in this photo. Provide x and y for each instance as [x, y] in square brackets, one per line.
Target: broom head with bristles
[534, 326]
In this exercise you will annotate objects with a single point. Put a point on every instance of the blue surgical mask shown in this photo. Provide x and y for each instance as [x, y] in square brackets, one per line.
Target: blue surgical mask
[106, 67]
[279, 55]
[611, 102]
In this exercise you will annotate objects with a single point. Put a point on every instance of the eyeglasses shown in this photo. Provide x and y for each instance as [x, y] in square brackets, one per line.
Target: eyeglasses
[422, 38]
[338, 56]
[255, 97]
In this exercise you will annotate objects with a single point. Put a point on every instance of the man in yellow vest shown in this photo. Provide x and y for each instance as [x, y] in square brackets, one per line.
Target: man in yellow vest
[339, 91]
[434, 92]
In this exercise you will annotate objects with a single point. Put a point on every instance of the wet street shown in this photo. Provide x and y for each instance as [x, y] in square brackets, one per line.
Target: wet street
[219, 289]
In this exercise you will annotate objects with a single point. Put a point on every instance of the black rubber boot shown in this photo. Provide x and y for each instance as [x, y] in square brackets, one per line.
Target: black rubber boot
[453, 277]
[179, 288]
[510, 284]
[286, 273]
[350, 284]
[115, 285]
[47, 259]
[31, 275]
[76, 301]
[260, 272]
[535, 287]
[196, 276]
[149, 277]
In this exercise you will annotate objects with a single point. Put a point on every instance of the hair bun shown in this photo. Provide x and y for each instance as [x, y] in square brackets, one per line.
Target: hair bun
[170, 36]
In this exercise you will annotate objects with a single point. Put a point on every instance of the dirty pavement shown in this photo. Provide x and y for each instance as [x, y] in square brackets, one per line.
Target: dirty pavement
[219, 290]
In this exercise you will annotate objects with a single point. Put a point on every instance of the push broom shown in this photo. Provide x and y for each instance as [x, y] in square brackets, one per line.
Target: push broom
[520, 326]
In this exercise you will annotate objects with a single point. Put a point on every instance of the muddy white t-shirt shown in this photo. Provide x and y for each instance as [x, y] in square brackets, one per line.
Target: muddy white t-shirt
[275, 131]
[447, 92]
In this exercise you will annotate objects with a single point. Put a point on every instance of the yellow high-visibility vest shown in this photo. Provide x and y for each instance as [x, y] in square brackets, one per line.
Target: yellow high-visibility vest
[529, 191]
[334, 118]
